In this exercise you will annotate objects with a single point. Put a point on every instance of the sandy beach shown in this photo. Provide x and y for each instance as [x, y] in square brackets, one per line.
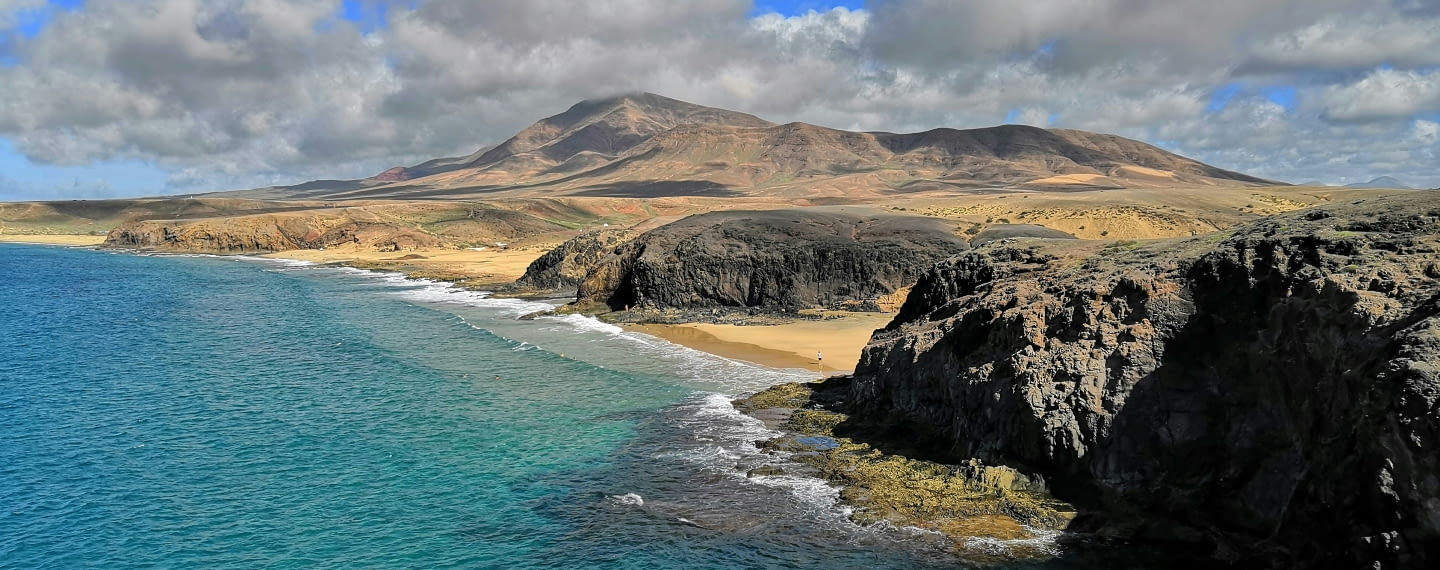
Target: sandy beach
[488, 265]
[790, 345]
[839, 338]
[53, 239]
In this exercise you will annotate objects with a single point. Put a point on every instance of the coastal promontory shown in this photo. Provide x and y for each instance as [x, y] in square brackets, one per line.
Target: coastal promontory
[1270, 392]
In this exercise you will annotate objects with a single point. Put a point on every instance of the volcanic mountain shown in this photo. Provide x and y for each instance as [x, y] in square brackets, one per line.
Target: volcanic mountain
[646, 145]
[1381, 182]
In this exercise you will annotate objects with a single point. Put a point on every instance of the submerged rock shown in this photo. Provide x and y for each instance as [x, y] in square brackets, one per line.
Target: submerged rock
[1270, 391]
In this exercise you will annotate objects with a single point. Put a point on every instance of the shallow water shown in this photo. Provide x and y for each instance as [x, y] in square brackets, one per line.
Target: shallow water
[193, 411]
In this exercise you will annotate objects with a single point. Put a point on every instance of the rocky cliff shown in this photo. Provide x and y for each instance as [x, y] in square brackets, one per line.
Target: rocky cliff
[780, 260]
[563, 268]
[1269, 392]
[266, 233]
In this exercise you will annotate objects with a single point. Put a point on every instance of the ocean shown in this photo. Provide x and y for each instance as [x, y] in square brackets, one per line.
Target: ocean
[212, 412]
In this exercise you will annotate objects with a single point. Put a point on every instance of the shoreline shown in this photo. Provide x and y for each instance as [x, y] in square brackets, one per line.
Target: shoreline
[464, 268]
[840, 339]
[839, 336]
[53, 239]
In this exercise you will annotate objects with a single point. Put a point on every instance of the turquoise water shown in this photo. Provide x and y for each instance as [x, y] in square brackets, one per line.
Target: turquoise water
[167, 411]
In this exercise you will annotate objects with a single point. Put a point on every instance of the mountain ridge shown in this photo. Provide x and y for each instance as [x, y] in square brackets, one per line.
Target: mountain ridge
[1381, 182]
[647, 145]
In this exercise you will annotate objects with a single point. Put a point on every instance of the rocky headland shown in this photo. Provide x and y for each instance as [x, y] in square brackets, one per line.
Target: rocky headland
[778, 261]
[562, 269]
[1266, 395]
[381, 227]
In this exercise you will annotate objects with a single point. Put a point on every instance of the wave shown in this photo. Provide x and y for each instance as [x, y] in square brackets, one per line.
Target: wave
[724, 446]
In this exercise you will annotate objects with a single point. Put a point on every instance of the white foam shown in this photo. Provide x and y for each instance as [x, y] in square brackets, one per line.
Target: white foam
[280, 261]
[629, 499]
[728, 439]
[584, 323]
[1043, 540]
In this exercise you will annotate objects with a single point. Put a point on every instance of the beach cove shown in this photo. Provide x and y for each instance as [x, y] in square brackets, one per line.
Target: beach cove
[320, 415]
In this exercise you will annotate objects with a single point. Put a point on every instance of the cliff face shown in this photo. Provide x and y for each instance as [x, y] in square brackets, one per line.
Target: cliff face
[1271, 391]
[774, 260]
[265, 233]
[564, 267]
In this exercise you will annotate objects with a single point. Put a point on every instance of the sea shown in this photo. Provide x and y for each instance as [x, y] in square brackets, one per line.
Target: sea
[171, 411]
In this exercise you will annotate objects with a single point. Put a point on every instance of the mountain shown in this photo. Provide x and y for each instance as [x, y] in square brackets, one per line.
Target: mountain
[646, 145]
[1381, 182]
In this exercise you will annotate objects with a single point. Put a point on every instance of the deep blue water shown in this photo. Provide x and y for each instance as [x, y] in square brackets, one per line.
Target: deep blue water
[166, 411]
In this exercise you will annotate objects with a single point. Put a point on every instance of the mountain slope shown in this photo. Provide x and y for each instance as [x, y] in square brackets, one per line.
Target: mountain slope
[1381, 182]
[645, 145]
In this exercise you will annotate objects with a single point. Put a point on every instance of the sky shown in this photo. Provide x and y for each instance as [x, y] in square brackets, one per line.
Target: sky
[113, 98]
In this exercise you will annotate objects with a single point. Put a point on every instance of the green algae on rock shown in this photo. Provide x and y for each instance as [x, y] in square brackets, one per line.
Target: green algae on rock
[964, 501]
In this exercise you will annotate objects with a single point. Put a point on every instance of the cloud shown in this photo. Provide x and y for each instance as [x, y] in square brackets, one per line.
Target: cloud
[1350, 42]
[242, 93]
[1384, 94]
[12, 10]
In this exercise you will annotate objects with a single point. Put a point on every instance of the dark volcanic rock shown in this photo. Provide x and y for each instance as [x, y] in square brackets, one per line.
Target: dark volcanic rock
[566, 265]
[1270, 391]
[778, 260]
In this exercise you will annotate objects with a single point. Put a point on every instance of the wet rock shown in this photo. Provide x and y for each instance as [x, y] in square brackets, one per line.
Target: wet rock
[766, 471]
[965, 501]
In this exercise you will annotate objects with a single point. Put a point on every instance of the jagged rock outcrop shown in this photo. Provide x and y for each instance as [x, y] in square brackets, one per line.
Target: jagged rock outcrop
[1270, 391]
[564, 267]
[778, 260]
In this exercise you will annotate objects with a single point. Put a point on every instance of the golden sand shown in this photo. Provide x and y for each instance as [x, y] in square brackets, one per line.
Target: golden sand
[495, 264]
[790, 345]
[53, 239]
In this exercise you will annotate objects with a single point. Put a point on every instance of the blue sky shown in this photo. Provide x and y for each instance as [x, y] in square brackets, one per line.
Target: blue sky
[146, 97]
[796, 7]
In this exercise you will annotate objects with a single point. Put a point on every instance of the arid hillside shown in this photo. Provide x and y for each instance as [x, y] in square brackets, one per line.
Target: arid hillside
[645, 146]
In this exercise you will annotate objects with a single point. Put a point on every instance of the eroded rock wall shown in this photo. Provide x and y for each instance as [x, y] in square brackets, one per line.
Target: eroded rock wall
[266, 233]
[775, 260]
[1271, 390]
[563, 268]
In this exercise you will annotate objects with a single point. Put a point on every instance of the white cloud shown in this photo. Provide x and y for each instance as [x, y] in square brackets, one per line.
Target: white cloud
[1384, 94]
[11, 10]
[1352, 42]
[237, 93]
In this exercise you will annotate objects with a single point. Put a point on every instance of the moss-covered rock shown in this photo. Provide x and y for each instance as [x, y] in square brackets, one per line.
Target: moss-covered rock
[964, 501]
[788, 395]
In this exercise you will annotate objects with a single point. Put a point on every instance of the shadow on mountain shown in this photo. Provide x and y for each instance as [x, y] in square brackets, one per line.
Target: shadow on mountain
[659, 189]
